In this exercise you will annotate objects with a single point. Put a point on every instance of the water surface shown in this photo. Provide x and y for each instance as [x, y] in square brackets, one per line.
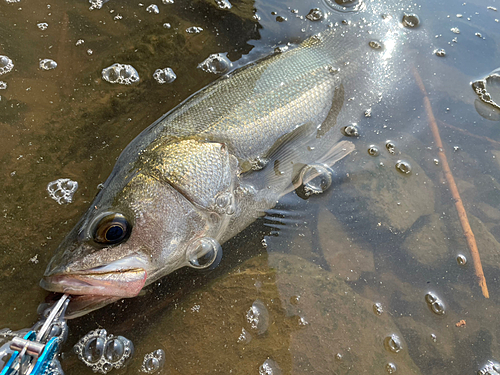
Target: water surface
[376, 237]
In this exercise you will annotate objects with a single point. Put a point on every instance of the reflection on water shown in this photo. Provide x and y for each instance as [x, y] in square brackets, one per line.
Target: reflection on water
[374, 275]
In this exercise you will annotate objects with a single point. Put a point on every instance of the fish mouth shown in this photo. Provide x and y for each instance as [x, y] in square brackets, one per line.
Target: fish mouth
[111, 280]
[123, 283]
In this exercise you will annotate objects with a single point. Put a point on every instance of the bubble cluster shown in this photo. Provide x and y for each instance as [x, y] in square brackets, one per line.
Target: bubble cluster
[410, 20]
[403, 166]
[194, 30]
[435, 304]
[153, 361]
[6, 64]
[103, 352]
[393, 343]
[375, 44]
[390, 146]
[315, 14]
[204, 253]
[440, 52]
[225, 203]
[350, 130]
[346, 5]
[122, 74]
[490, 368]
[47, 64]
[153, 8]
[373, 151]
[314, 179]
[62, 190]
[258, 317]
[96, 4]
[216, 63]
[165, 75]
[269, 367]
[377, 308]
[455, 30]
[42, 26]
[223, 4]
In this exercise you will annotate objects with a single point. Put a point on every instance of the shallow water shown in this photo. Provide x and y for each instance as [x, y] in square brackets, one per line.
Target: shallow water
[376, 236]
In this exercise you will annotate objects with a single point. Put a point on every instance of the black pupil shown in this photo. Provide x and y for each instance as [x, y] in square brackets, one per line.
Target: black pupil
[114, 233]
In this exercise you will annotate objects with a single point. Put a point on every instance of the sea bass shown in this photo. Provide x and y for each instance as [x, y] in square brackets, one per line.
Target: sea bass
[207, 169]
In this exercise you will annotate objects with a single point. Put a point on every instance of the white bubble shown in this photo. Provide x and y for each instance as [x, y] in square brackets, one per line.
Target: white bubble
[166, 75]
[167, 1]
[97, 4]
[216, 63]
[223, 4]
[62, 190]
[6, 64]
[166, 25]
[269, 367]
[122, 74]
[153, 8]
[47, 64]
[79, 42]
[245, 336]
[194, 30]
[12, 1]
[43, 25]
[258, 317]
[3, 85]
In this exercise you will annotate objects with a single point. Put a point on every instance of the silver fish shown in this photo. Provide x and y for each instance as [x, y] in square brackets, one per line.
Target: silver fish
[207, 169]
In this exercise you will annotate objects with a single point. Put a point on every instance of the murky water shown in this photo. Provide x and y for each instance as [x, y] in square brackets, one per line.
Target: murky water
[372, 276]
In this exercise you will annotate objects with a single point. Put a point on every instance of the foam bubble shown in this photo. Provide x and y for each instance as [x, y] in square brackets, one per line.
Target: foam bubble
[6, 64]
[47, 64]
[43, 26]
[3, 85]
[153, 362]
[269, 367]
[258, 317]
[122, 74]
[216, 63]
[62, 190]
[224, 4]
[194, 30]
[153, 8]
[165, 75]
[103, 352]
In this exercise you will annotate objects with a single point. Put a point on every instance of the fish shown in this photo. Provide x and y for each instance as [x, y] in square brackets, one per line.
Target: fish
[217, 162]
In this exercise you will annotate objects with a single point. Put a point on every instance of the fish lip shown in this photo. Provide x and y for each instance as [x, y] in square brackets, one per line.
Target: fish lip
[124, 283]
[122, 278]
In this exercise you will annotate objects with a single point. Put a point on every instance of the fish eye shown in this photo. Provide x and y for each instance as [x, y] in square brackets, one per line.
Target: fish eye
[112, 229]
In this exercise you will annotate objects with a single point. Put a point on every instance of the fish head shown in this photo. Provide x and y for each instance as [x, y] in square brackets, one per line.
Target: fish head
[134, 233]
